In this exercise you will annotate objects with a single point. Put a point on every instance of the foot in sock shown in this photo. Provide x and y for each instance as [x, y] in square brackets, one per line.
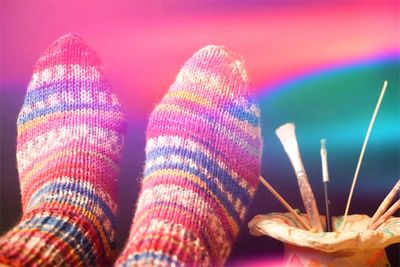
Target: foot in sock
[203, 157]
[70, 135]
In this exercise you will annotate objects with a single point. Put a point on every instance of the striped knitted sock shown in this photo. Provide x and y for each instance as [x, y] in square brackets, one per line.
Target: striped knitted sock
[202, 166]
[68, 148]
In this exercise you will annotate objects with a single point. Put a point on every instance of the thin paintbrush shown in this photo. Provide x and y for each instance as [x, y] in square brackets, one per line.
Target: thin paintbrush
[287, 136]
[325, 179]
[284, 203]
[378, 104]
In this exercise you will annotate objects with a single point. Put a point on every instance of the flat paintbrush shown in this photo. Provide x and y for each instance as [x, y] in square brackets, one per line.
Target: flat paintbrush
[287, 136]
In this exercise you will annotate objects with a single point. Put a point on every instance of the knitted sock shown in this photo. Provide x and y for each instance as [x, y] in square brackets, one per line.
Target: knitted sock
[68, 148]
[202, 166]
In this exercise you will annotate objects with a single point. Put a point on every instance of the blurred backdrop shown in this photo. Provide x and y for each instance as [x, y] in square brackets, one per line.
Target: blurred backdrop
[320, 64]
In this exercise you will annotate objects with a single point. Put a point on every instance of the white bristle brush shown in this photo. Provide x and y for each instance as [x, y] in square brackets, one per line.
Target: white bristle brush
[287, 136]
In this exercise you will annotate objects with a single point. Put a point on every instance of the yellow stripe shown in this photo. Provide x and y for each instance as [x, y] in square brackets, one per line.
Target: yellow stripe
[73, 153]
[114, 115]
[191, 97]
[176, 173]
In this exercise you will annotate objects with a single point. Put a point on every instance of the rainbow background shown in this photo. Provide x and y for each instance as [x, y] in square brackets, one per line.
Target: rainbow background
[320, 64]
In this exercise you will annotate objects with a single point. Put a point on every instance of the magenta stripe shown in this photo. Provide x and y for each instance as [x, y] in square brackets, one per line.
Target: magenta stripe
[196, 123]
[212, 117]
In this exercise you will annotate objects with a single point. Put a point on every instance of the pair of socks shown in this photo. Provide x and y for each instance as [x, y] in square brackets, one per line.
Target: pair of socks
[203, 156]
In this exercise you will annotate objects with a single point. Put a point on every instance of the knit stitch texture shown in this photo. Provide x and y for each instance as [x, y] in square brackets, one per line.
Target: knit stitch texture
[70, 136]
[202, 166]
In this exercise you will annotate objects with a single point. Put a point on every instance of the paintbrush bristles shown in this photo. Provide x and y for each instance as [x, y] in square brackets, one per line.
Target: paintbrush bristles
[287, 135]
[324, 159]
[286, 132]
[323, 144]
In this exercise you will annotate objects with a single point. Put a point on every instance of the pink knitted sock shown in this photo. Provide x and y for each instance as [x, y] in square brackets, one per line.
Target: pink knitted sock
[68, 149]
[202, 166]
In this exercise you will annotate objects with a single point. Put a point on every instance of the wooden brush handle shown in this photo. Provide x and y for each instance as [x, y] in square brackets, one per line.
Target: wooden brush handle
[386, 215]
[309, 201]
[386, 202]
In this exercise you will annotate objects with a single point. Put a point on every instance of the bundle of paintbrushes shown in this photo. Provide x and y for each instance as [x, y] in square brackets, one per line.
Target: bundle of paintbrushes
[287, 136]
[354, 240]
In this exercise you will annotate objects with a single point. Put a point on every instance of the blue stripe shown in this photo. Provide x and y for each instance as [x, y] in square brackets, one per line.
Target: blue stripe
[240, 113]
[148, 258]
[60, 186]
[44, 91]
[66, 107]
[209, 145]
[208, 163]
[224, 179]
[65, 231]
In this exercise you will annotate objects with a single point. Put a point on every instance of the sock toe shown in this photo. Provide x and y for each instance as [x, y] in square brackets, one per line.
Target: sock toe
[70, 49]
[217, 70]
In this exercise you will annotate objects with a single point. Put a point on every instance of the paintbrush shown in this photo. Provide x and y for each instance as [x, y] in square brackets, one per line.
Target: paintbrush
[284, 203]
[325, 179]
[386, 215]
[386, 202]
[287, 136]
[371, 123]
